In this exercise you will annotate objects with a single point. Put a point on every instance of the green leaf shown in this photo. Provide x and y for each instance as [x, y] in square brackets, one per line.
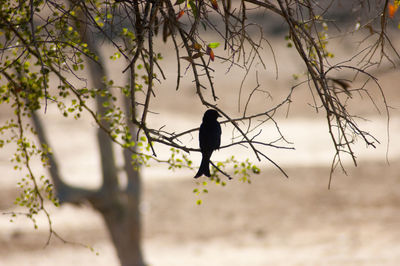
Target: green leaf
[213, 45]
[194, 9]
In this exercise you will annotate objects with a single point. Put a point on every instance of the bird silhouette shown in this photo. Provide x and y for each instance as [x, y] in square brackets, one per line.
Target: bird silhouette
[210, 140]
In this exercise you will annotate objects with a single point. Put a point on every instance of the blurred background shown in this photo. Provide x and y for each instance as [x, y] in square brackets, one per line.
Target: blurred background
[272, 221]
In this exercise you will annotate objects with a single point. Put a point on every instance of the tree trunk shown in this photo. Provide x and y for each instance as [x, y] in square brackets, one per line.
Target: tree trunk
[123, 222]
[119, 207]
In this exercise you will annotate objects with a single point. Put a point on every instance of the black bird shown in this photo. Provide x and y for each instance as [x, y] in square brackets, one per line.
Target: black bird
[210, 140]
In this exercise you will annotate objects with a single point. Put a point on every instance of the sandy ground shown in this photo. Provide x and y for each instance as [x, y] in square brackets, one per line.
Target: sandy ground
[273, 221]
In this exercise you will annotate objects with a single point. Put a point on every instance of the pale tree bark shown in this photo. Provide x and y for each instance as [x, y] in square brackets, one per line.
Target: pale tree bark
[118, 206]
[120, 209]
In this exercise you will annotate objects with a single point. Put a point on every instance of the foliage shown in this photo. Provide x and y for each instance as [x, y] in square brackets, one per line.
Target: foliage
[56, 40]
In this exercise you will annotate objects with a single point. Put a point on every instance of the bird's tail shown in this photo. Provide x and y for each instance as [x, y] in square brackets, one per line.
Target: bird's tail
[204, 166]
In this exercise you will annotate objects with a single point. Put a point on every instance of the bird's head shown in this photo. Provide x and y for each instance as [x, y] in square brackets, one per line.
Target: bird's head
[211, 115]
